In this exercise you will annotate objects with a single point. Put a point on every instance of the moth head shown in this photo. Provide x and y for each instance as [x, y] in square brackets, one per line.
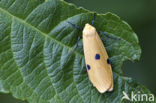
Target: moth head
[89, 30]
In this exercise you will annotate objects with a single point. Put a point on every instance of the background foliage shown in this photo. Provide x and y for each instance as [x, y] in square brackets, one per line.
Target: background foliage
[140, 15]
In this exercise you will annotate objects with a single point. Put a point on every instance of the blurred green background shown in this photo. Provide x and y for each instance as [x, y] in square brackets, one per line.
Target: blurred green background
[141, 15]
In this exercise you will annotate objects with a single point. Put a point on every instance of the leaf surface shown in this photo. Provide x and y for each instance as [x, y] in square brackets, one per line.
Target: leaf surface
[35, 40]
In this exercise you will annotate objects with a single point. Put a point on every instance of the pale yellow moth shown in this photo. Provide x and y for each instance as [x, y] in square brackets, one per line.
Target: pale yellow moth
[99, 71]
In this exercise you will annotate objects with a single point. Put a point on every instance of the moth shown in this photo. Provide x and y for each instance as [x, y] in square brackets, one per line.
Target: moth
[96, 58]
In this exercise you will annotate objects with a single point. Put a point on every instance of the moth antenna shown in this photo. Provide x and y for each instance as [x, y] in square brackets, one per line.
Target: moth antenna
[76, 26]
[76, 44]
[93, 19]
[75, 47]
[109, 36]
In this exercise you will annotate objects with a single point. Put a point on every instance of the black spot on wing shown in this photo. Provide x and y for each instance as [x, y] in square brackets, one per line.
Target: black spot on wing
[108, 61]
[88, 67]
[97, 56]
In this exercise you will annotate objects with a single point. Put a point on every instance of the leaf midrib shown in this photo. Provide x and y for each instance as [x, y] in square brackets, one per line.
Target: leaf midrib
[44, 34]
[39, 31]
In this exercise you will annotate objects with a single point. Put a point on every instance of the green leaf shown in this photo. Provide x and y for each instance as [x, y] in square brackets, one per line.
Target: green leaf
[35, 40]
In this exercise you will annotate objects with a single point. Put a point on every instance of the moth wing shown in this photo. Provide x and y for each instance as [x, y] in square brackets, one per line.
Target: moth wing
[100, 72]
[112, 86]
